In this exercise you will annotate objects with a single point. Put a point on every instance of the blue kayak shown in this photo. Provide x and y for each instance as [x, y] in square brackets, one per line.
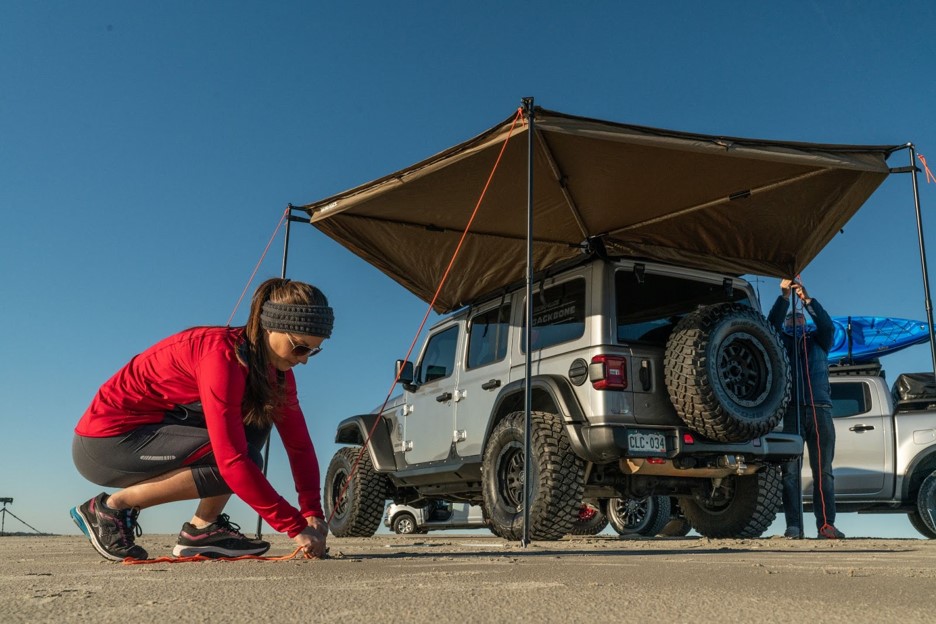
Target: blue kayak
[872, 337]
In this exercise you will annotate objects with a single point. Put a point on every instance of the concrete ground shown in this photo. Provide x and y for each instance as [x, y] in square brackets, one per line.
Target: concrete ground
[480, 579]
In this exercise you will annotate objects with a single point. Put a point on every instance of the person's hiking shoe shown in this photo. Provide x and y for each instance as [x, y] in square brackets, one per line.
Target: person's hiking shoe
[221, 538]
[793, 532]
[830, 532]
[111, 531]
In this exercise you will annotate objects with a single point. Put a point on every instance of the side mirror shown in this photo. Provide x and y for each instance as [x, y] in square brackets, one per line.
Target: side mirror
[404, 374]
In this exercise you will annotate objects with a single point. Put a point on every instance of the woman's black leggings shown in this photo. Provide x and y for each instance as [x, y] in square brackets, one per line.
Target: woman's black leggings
[152, 450]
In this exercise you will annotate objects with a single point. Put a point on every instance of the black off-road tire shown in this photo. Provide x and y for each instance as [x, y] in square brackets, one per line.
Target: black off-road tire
[404, 524]
[677, 526]
[742, 506]
[727, 373]
[638, 516]
[360, 512]
[590, 522]
[557, 482]
[926, 506]
[920, 525]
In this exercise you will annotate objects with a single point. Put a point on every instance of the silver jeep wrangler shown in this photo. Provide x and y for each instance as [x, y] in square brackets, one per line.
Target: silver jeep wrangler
[647, 380]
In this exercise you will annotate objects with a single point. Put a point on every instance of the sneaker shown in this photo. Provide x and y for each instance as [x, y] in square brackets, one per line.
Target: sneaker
[830, 532]
[221, 538]
[793, 532]
[111, 531]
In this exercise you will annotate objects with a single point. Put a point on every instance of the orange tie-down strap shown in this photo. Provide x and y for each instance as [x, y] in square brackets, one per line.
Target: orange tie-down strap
[131, 561]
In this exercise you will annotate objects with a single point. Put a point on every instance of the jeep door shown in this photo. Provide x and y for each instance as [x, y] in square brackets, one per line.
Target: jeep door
[430, 417]
[484, 372]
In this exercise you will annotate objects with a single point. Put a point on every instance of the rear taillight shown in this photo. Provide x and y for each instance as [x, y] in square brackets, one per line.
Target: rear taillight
[608, 372]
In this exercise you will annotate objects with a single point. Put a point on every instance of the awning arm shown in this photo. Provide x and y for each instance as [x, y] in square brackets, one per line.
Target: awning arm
[740, 194]
[561, 181]
[919, 221]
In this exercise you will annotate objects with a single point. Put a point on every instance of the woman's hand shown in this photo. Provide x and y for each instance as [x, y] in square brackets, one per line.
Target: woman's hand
[312, 541]
[318, 524]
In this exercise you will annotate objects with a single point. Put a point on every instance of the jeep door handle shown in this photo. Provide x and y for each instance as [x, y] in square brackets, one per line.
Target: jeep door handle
[860, 428]
[445, 396]
[491, 384]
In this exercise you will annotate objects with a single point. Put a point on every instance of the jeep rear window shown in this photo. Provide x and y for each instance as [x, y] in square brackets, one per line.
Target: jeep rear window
[649, 306]
[487, 340]
[558, 314]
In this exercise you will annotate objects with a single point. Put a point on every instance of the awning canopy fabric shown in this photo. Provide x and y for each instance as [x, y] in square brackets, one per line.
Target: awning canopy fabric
[726, 204]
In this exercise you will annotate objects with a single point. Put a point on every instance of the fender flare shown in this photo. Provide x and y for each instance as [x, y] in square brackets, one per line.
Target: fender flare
[354, 431]
[926, 456]
[560, 391]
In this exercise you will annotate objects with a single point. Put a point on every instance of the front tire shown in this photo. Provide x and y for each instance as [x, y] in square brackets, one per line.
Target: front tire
[926, 507]
[677, 526]
[359, 513]
[727, 373]
[588, 520]
[920, 525]
[734, 506]
[404, 524]
[639, 516]
[556, 482]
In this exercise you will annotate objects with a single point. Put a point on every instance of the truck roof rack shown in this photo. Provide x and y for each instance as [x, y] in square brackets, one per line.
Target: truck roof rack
[870, 368]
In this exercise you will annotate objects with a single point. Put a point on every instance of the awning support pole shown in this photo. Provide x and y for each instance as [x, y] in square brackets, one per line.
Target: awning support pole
[919, 221]
[528, 332]
[266, 445]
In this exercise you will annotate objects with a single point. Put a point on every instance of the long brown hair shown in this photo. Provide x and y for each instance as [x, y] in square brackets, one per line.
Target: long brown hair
[263, 394]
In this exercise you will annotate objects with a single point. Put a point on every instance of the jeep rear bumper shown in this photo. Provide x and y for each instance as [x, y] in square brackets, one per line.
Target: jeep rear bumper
[606, 443]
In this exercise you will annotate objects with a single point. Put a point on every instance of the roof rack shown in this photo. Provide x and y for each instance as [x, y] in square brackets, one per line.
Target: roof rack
[870, 368]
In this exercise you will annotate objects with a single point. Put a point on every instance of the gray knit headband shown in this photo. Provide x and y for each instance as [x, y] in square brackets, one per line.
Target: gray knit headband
[311, 320]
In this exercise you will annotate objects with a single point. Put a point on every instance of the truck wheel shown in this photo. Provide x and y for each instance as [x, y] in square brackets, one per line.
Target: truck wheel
[727, 373]
[677, 526]
[639, 516]
[926, 506]
[588, 520]
[360, 512]
[404, 524]
[556, 485]
[734, 506]
[920, 525]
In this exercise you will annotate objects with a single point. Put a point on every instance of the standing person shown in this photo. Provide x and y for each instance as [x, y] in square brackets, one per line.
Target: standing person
[187, 419]
[812, 401]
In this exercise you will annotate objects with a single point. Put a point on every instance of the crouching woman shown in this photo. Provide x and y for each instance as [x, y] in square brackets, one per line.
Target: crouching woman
[187, 419]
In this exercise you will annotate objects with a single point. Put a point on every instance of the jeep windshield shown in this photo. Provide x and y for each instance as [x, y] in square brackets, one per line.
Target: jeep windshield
[649, 305]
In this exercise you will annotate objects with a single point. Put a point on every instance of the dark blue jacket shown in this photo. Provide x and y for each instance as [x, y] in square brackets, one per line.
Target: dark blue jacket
[818, 343]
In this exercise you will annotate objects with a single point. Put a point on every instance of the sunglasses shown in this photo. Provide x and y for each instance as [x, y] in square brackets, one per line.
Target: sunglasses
[301, 350]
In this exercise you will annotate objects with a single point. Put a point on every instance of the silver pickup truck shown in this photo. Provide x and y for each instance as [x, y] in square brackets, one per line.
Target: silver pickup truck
[885, 449]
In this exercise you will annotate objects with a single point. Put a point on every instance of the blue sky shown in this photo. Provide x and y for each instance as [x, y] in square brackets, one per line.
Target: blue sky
[148, 150]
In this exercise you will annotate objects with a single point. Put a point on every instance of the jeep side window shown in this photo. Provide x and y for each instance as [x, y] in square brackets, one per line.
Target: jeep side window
[558, 314]
[649, 308]
[487, 340]
[438, 360]
[850, 399]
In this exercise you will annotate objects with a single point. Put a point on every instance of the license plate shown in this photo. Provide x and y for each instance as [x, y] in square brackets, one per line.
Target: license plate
[646, 443]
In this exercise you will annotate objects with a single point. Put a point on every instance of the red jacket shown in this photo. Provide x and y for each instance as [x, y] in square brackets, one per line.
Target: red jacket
[201, 364]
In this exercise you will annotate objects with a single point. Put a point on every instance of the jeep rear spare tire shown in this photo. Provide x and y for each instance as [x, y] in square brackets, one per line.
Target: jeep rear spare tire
[359, 511]
[734, 506]
[557, 479]
[727, 373]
